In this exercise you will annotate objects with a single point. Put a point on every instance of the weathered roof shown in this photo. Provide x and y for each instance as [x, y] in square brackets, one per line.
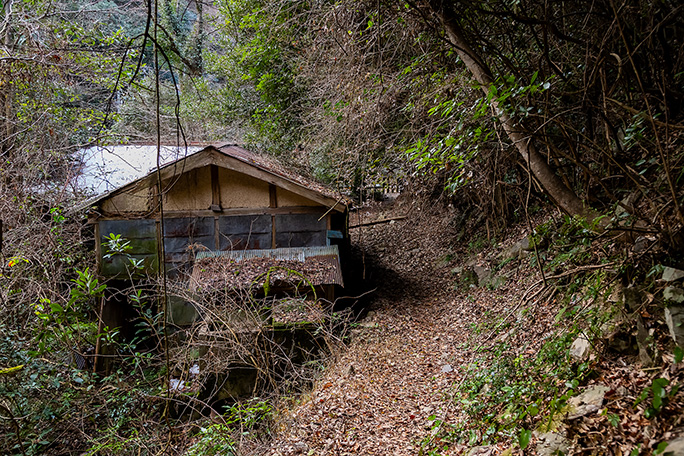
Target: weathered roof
[239, 159]
[102, 168]
[246, 268]
[270, 165]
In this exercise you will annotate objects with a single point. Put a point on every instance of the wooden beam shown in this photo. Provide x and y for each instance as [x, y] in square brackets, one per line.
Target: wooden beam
[208, 213]
[273, 203]
[215, 189]
[272, 196]
[98, 341]
[156, 199]
[98, 247]
[378, 222]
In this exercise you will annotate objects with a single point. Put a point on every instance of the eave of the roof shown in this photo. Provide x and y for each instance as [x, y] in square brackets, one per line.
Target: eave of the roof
[238, 159]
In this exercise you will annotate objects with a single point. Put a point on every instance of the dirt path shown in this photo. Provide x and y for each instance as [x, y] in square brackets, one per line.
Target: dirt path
[411, 353]
[383, 393]
[379, 395]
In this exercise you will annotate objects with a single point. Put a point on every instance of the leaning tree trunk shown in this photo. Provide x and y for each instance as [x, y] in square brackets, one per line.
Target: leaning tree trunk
[564, 197]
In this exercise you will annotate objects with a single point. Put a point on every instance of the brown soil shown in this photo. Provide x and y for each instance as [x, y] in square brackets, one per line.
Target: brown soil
[408, 356]
[381, 395]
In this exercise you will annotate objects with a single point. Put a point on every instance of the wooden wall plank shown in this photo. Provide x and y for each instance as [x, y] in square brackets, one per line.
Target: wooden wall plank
[209, 213]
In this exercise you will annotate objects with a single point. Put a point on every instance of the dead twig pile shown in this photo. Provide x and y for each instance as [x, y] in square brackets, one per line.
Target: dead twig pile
[219, 273]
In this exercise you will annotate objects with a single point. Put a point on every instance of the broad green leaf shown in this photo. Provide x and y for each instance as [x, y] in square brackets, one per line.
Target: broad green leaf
[56, 307]
[659, 385]
[657, 402]
[524, 438]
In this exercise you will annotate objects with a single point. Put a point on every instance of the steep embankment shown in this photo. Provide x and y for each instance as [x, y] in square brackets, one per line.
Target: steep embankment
[465, 346]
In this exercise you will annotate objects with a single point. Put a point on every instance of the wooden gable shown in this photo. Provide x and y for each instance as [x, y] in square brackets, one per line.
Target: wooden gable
[214, 180]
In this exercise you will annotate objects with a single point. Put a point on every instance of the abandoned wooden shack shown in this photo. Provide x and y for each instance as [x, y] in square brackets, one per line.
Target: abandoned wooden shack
[224, 203]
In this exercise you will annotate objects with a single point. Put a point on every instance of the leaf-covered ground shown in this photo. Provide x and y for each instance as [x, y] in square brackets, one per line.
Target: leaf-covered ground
[384, 392]
[425, 336]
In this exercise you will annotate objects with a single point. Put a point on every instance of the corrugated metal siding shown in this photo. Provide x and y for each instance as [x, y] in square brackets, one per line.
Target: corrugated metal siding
[179, 233]
[244, 231]
[326, 254]
[294, 253]
[300, 230]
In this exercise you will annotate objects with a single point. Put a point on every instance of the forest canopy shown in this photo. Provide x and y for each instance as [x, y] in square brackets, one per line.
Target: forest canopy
[585, 96]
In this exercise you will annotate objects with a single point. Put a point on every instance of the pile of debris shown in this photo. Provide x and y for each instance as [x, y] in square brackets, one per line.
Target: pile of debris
[223, 273]
[298, 310]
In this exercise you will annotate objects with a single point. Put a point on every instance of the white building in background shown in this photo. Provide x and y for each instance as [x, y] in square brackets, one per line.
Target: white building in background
[104, 168]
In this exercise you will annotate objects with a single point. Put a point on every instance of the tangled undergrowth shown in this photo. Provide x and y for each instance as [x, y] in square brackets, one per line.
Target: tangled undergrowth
[607, 328]
[202, 388]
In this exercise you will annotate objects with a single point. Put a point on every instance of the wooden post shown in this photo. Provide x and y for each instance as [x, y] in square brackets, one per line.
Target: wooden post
[273, 203]
[215, 189]
[328, 227]
[217, 234]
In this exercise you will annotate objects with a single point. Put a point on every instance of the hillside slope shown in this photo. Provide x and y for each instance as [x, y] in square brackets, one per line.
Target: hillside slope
[464, 350]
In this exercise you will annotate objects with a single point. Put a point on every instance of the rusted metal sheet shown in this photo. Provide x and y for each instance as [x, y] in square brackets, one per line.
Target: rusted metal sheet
[303, 239]
[130, 229]
[120, 266]
[244, 241]
[298, 223]
[335, 275]
[188, 227]
[141, 236]
[244, 232]
[183, 234]
[185, 244]
[300, 230]
[245, 224]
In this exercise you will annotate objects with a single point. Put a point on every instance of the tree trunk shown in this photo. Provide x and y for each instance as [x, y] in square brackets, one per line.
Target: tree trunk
[564, 197]
[6, 88]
